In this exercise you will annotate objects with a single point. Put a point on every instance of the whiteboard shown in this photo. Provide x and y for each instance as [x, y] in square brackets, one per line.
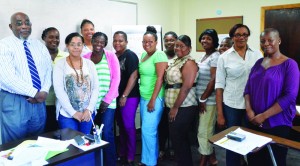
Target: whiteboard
[135, 35]
[66, 16]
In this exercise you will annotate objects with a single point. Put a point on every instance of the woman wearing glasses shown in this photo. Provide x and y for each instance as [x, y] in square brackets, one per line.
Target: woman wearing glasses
[76, 87]
[151, 69]
[181, 102]
[232, 73]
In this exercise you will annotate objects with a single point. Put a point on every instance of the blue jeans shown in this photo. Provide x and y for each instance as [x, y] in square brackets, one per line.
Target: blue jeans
[233, 117]
[107, 118]
[84, 127]
[150, 121]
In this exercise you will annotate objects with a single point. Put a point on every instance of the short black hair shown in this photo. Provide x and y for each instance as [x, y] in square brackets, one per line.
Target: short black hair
[213, 34]
[152, 31]
[122, 33]
[171, 33]
[185, 39]
[71, 36]
[237, 26]
[98, 34]
[45, 32]
[268, 30]
[85, 21]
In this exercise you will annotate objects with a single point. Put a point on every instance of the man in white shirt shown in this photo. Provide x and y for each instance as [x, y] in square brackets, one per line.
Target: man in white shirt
[25, 79]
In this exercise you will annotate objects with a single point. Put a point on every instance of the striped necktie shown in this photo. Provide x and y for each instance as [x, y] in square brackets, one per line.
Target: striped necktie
[32, 68]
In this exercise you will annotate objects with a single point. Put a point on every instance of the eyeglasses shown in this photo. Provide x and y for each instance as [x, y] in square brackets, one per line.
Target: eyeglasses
[181, 47]
[148, 42]
[76, 44]
[20, 23]
[245, 35]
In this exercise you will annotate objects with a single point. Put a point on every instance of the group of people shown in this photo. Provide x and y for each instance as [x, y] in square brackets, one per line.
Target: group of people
[231, 85]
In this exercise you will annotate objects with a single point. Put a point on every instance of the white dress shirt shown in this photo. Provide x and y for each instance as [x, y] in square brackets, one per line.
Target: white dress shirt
[15, 76]
[232, 75]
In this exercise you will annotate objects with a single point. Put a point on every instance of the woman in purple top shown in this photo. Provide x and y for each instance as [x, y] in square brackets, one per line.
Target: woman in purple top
[270, 96]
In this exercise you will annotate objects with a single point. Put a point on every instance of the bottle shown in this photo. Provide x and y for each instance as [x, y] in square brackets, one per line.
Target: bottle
[96, 133]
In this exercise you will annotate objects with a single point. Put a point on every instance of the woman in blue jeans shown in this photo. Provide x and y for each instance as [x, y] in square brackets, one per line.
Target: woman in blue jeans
[108, 71]
[233, 69]
[76, 87]
[151, 69]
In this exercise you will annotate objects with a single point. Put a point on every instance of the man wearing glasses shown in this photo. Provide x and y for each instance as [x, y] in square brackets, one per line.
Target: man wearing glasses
[25, 78]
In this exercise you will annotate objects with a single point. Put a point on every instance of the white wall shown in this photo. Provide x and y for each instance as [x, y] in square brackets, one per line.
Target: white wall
[180, 15]
[66, 15]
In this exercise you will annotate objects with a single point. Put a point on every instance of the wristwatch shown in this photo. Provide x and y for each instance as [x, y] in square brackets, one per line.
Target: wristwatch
[124, 96]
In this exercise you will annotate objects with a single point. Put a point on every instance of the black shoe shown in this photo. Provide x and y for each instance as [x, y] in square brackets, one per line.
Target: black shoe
[123, 161]
[131, 163]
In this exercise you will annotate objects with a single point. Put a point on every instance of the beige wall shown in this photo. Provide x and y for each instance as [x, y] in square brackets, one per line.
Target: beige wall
[180, 15]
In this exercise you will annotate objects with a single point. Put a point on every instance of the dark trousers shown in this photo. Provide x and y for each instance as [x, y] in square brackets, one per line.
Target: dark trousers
[179, 133]
[262, 157]
[51, 122]
[233, 117]
[163, 130]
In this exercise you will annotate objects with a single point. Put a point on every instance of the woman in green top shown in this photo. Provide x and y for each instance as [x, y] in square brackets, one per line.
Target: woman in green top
[151, 69]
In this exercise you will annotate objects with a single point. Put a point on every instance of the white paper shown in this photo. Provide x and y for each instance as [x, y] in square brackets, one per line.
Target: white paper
[25, 156]
[251, 142]
[52, 144]
[87, 147]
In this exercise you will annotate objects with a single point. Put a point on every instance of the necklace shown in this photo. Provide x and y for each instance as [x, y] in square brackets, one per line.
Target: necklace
[79, 84]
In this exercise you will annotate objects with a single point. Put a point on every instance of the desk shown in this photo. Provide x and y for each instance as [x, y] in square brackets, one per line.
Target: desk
[73, 156]
[275, 139]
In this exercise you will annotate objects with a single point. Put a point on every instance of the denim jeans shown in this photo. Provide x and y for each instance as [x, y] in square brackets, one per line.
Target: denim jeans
[233, 117]
[107, 118]
[84, 127]
[150, 121]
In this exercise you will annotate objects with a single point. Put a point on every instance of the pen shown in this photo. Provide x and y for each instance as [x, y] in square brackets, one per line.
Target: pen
[224, 141]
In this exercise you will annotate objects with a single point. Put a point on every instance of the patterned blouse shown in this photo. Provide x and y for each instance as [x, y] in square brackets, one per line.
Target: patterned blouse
[174, 76]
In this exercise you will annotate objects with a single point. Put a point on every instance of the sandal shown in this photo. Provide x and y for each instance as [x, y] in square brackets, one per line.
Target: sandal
[161, 155]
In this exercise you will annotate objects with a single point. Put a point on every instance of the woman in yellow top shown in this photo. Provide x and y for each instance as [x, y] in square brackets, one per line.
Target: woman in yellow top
[52, 39]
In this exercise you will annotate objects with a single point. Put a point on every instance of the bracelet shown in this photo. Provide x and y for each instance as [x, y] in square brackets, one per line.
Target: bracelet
[202, 101]
[124, 96]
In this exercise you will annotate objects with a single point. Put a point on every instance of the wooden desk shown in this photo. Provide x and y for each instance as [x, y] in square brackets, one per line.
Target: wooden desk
[72, 154]
[275, 139]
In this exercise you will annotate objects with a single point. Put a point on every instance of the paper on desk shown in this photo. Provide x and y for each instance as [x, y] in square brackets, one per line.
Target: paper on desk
[24, 155]
[54, 146]
[89, 147]
[251, 142]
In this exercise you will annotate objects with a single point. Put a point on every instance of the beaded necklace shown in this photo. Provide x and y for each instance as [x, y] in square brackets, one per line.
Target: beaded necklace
[79, 84]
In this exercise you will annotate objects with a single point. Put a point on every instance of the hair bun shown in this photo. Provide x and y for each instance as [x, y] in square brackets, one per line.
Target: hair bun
[151, 29]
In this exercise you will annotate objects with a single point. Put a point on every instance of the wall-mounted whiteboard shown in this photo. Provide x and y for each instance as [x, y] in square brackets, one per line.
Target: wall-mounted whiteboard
[135, 35]
[66, 15]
